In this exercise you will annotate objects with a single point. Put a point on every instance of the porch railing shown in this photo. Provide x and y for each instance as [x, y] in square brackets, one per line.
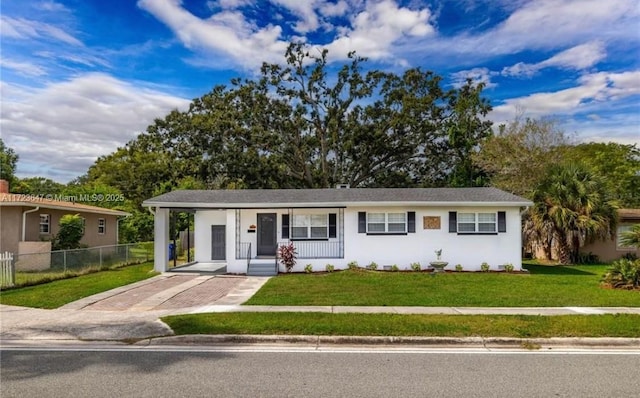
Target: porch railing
[243, 250]
[316, 249]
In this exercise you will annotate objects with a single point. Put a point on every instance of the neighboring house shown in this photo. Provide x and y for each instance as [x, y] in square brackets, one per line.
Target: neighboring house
[336, 226]
[610, 250]
[29, 222]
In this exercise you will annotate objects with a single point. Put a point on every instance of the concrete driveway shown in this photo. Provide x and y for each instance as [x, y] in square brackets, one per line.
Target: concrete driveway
[127, 313]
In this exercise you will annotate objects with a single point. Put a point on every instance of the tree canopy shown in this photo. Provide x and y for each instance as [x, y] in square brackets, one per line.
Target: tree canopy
[309, 124]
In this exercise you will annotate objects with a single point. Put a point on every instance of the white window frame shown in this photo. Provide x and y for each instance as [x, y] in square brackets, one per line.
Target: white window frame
[46, 224]
[310, 225]
[477, 222]
[102, 224]
[387, 222]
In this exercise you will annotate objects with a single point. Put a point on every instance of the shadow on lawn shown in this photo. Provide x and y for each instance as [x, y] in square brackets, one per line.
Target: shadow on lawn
[555, 270]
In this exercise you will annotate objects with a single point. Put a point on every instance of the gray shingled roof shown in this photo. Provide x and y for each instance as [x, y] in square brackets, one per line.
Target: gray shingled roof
[334, 197]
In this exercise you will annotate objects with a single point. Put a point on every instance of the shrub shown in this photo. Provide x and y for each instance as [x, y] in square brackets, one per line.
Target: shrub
[329, 268]
[587, 258]
[416, 266]
[308, 268]
[287, 255]
[458, 267]
[70, 233]
[484, 267]
[623, 274]
[394, 267]
[508, 267]
[353, 265]
[373, 266]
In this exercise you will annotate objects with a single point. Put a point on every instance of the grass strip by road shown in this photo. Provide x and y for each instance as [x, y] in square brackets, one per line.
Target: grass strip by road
[322, 324]
[58, 293]
[545, 286]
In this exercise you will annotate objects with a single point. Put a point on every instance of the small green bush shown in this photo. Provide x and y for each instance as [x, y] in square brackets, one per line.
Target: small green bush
[484, 267]
[394, 267]
[329, 268]
[308, 268]
[416, 267]
[373, 266]
[353, 265]
[458, 267]
[623, 274]
[508, 267]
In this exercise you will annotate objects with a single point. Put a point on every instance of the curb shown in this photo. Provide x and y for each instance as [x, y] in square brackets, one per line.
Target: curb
[477, 342]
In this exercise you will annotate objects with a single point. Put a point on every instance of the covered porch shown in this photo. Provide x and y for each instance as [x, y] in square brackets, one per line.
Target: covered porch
[245, 238]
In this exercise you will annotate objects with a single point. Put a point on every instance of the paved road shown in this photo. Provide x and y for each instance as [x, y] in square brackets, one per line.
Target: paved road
[286, 373]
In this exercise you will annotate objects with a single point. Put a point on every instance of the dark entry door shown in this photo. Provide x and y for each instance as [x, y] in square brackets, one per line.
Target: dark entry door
[218, 242]
[267, 239]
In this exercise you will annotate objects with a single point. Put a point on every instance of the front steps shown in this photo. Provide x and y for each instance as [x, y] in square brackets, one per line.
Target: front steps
[262, 269]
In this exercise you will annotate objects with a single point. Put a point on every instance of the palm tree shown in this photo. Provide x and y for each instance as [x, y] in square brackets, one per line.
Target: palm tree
[631, 237]
[570, 209]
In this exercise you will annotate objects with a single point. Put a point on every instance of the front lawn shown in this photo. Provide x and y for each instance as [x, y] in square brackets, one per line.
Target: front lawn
[545, 286]
[60, 292]
[299, 323]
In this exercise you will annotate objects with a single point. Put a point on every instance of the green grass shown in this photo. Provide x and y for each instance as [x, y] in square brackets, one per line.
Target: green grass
[60, 292]
[292, 323]
[545, 286]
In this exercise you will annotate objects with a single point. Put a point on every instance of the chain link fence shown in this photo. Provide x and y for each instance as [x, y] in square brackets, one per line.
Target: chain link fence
[101, 256]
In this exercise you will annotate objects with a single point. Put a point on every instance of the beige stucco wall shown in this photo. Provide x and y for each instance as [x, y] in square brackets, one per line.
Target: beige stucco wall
[91, 237]
[608, 250]
[10, 228]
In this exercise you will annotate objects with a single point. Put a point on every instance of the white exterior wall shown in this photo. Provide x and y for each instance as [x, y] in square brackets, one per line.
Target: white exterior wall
[468, 250]
[203, 220]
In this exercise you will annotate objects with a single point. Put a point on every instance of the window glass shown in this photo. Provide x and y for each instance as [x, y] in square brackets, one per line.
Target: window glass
[486, 222]
[622, 229]
[101, 225]
[466, 222]
[310, 226]
[375, 222]
[397, 222]
[45, 221]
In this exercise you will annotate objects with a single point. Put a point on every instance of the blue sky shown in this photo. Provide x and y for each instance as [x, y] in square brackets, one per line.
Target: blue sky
[80, 78]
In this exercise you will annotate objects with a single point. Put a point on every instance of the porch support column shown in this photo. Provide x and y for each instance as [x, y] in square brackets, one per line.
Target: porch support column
[161, 240]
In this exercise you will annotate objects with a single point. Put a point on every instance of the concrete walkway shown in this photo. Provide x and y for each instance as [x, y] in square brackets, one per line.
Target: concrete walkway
[131, 313]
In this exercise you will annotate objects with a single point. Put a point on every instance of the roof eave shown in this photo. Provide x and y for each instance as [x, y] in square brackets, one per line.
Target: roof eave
[109, 212]
[204, 205]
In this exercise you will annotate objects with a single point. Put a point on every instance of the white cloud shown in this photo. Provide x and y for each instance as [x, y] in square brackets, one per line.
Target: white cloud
[23, 68]
[230, 35]
[579, 57]
[51, 6]
[334, 9]
[591, 90]
[20, 28]
[61, 129]
[374, 30]
[478, 75]
[304, 10]
[537, 25]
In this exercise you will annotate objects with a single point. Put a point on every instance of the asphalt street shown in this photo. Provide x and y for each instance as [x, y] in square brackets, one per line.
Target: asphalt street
[278, 372]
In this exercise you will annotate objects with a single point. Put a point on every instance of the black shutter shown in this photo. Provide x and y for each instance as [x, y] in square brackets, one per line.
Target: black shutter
[502, 221]
[411, 221]
[285, 226]
[453, 222]
[362, 222]
[333, 225]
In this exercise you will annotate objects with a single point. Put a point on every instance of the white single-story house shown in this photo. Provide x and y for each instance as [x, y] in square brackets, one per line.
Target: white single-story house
[388, 226]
